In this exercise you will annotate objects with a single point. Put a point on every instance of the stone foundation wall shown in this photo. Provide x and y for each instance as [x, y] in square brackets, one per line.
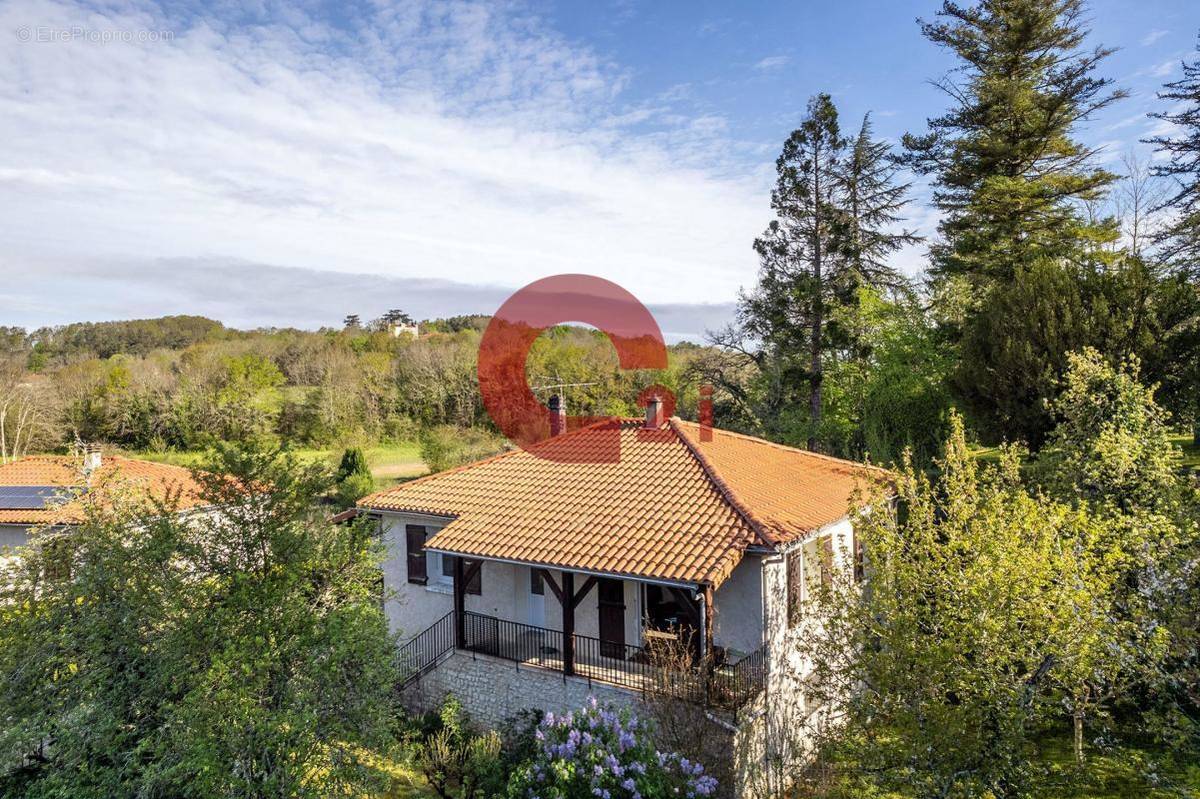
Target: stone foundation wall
[492, 689]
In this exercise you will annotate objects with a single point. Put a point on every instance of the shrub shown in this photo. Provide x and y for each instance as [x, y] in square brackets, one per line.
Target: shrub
[446, 446]
[353, 477]
[457, 763]
[598, 753]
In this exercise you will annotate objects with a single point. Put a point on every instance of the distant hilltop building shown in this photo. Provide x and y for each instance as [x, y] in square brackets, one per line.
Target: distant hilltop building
[405, 329]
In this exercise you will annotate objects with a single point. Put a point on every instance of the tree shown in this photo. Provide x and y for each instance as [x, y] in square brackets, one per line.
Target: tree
[243, 653]
[1016, 345]
[835, 206]
[396, 317]
[873, 202]
[1112, 444]
[799, 248]
[1008, 174]
[986, 611]
[1180, 241]
[1137, 199]
[353, 479]
[351, 322]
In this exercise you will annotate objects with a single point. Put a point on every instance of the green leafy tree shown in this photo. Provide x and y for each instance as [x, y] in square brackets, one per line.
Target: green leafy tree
[242, 653]
[1008, 173]
[1112, 444]
[986, 612]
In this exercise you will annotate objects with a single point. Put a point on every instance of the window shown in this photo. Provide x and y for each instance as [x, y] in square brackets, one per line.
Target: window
[536, 584]
[446, 574]
[795, 587]
[418, 569]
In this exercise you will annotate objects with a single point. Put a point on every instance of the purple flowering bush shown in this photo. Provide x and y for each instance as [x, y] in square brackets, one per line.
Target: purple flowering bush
[598, 753]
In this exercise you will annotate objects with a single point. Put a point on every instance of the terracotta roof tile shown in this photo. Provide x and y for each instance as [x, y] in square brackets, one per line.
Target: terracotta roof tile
[672, 508]
[158, 480]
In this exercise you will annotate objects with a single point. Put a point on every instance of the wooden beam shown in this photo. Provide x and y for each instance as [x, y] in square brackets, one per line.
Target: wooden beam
[470, 572]
[568, 623]
[549, 580]
[460, 616]
[583, 590]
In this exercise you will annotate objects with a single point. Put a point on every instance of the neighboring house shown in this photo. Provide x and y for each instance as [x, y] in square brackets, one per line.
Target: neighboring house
[580, 570]
[405, 329]
[51, 491]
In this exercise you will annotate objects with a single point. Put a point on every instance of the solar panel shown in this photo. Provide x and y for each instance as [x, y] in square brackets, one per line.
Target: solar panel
[33, 497]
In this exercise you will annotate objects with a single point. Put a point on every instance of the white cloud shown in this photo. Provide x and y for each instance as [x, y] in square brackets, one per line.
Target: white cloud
[463, 142]
[1153, 36]
[772, 62]
[1164, 69]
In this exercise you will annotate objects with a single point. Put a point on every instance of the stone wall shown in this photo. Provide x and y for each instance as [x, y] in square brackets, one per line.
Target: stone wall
[492, 689]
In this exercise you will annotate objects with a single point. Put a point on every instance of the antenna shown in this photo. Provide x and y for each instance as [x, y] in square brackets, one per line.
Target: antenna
[557, 385]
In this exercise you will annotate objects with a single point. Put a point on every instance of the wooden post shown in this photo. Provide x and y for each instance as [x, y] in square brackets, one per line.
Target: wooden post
[568, 622]
[460, 605]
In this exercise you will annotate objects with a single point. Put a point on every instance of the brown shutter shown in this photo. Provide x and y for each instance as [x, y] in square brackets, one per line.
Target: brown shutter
[795, 577]
[475, 584]
[418, 571]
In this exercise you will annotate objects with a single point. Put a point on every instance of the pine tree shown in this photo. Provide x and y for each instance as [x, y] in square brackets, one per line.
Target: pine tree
[836, 204]
[1008, 173]
[873, 200]
[1180, 242]
[800, 249]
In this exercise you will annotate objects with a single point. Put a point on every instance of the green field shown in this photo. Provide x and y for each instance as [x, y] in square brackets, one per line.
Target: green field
[390, 463]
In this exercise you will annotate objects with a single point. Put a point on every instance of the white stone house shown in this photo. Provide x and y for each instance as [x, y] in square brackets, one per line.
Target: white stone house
[578, 567]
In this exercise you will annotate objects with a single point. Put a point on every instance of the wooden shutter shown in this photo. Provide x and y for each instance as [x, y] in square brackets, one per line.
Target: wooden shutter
[418, 569]
[795, 586]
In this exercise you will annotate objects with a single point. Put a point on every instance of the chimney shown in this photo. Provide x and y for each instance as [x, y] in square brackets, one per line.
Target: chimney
[558, 415]
[91, 458]
[654, 412]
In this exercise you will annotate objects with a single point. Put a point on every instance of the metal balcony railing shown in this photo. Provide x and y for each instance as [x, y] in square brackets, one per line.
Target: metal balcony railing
[727, 686]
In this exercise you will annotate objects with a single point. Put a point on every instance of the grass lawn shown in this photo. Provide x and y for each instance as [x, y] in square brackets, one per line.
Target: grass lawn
[1126, 773]
[404, 780]
[390, 463]
[1191, 453]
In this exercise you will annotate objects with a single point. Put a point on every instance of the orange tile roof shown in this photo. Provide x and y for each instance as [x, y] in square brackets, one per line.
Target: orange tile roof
[672, 508]
[158, 480]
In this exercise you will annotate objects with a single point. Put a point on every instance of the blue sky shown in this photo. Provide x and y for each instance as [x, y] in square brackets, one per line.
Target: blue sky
[274, 164]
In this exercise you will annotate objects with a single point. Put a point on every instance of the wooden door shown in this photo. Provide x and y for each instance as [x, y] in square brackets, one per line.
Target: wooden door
[611, 609]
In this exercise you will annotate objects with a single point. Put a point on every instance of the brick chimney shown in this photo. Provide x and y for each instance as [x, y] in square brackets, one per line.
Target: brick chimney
[558, 415]
[654, 412]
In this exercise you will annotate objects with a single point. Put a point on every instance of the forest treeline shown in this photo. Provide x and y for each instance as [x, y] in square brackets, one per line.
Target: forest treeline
[181, 382]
